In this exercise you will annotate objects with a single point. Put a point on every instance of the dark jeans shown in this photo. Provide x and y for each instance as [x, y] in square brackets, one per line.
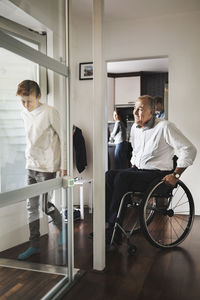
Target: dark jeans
[121, 155]
[118, 182]
[47, 207]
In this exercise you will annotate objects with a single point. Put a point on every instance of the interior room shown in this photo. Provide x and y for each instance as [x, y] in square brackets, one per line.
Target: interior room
[90, 57]
[126, 81]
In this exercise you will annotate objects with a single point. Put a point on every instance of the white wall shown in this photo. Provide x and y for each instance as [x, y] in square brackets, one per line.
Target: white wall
[81, 90]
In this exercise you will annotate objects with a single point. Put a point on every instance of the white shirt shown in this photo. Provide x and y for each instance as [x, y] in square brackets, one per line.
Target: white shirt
[46, 146]
[154, 148]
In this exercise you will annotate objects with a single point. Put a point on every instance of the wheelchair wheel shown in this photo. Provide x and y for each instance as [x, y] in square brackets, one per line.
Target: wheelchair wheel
[166, 214]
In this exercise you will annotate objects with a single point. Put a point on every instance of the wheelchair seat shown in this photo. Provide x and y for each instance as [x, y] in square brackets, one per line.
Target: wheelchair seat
[163, 213]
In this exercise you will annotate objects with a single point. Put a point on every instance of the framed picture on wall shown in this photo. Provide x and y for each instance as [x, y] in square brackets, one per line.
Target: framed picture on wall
[86, 71]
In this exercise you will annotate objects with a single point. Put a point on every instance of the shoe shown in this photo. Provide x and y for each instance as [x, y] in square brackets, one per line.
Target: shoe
[77, 214]
[28, 253]
[62, 238]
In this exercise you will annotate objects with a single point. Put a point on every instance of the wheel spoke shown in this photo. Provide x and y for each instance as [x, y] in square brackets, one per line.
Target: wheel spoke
[172, 228]
[180, 204]
[168, 227]
[179, 200]
[163, 224]
[179, 223]
[181, 218]
[182, 212]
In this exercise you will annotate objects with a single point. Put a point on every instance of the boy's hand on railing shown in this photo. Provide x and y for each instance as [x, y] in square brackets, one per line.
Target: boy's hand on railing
[62, 173]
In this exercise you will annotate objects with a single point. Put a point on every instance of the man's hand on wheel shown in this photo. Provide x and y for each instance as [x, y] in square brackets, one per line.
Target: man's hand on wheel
[170, 179]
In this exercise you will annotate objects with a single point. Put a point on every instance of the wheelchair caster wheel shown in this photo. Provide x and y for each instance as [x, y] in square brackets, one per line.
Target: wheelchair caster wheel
[132, 249]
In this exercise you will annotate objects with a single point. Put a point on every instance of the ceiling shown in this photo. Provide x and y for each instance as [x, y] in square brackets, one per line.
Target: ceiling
[10, 11]
[126, 9]
[113, 10]
[149, 65]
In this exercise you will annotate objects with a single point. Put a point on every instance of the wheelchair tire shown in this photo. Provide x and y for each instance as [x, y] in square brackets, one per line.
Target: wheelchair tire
[172, 214]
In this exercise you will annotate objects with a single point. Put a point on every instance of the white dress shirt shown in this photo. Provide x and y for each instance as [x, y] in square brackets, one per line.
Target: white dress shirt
[46, 146]
[154, 147]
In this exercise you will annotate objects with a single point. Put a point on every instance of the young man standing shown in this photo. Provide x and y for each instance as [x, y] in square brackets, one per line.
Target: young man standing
[45, 155]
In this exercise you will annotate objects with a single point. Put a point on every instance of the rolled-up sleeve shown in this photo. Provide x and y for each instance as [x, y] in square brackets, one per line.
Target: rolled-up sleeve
[184, 149]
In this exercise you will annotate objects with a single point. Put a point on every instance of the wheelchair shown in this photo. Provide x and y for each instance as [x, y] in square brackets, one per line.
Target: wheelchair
[163, 213]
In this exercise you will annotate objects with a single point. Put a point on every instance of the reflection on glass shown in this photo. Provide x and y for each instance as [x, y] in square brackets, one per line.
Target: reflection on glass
[51, 258]
[13, 69]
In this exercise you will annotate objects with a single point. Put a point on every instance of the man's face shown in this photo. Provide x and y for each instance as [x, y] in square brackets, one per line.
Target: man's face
[142, 112]
[159, 106]
[30, 102]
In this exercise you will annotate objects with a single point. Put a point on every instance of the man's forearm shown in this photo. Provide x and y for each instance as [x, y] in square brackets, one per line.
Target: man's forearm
[179, 170]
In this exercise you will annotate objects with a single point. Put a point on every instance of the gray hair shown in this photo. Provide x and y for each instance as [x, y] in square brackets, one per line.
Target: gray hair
[149, 99]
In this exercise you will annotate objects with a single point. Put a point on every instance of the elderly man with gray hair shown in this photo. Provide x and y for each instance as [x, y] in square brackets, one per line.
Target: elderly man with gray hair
[154, 142]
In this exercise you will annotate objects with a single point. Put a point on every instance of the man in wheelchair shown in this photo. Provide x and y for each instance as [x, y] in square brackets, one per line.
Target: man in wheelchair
[154, 142]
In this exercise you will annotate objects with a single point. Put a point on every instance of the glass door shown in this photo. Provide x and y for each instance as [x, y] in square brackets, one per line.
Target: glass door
[51, 211]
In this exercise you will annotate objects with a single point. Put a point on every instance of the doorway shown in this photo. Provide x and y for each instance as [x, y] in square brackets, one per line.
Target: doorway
[126, 81]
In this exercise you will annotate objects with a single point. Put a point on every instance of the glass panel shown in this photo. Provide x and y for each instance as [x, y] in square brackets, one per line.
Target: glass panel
[40, 221]
[12, 135]
[39, 45]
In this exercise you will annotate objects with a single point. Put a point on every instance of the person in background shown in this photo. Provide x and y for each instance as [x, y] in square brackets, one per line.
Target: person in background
[45, 155]
[118, 136]
[159, 107]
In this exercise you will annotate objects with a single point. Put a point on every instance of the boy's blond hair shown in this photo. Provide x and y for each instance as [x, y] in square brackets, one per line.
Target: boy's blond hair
[28, 87]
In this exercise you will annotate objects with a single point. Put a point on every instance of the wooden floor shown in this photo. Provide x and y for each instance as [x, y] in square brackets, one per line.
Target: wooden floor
[18, 284]
[30, 285]
[149, 274]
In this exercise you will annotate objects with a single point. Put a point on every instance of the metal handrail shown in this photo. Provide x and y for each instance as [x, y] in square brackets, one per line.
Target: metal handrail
[19, 195]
